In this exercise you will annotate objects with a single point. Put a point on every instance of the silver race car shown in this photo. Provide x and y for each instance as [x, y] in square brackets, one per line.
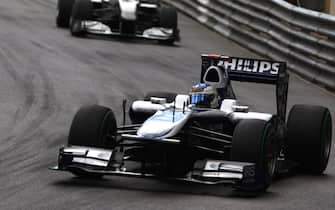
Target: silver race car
[204, 136]
[147, 19]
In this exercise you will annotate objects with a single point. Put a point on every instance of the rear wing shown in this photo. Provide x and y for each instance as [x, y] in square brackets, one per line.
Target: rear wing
[246, 69]
[252, 70]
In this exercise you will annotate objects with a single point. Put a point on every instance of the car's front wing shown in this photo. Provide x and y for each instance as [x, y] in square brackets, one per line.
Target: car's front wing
[104, 162]
[154, 33]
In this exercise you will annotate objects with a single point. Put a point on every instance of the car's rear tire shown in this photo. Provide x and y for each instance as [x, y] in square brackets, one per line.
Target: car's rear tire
[169, 19]
[64, 13]
[254, 141]
[82, 10]
[309, 137]
[139, 117]
[93, 126]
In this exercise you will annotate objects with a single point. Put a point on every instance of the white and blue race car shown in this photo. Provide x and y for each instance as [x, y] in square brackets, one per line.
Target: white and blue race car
[147, 19]
[203, 136]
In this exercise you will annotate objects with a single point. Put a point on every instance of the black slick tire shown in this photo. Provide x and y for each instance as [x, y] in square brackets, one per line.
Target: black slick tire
[309, 137]
[64, 13]
[254, 142]
[169, 19]
[93, 126]
[82, 10]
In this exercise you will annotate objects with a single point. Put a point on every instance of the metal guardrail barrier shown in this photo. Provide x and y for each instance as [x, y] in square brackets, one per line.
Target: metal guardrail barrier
[276, 29]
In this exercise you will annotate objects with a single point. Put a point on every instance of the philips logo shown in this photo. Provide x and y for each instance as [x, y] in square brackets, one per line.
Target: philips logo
[252, 66]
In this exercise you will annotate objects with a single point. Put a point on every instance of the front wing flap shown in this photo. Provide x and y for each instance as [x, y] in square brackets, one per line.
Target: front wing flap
[155, 33]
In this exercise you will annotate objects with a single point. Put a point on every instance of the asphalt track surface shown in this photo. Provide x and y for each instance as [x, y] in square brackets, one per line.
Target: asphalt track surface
[46, 75]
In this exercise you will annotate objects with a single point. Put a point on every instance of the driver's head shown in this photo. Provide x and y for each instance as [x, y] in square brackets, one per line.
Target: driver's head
[204, 96]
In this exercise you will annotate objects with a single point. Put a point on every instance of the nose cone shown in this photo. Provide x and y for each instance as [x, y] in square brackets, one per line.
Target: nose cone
[155, 129]
[163, 124]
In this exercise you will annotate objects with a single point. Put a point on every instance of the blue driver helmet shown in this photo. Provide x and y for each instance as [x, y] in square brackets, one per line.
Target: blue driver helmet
[203, 95]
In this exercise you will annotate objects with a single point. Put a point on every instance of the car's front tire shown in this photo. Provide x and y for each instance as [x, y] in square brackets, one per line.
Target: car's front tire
[169, 19]
[92, 126]
[64, 13]
[82, 11]
[254, 142]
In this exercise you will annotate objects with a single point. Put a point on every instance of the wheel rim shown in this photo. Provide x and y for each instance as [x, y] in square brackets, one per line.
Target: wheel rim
[271, 158]
[108, 132]
[76, 26]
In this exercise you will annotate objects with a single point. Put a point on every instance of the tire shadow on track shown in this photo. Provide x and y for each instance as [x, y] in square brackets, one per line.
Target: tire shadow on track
[161, 187]
[285, 180]
[282, 183]
[125, 40]
[130, 41]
